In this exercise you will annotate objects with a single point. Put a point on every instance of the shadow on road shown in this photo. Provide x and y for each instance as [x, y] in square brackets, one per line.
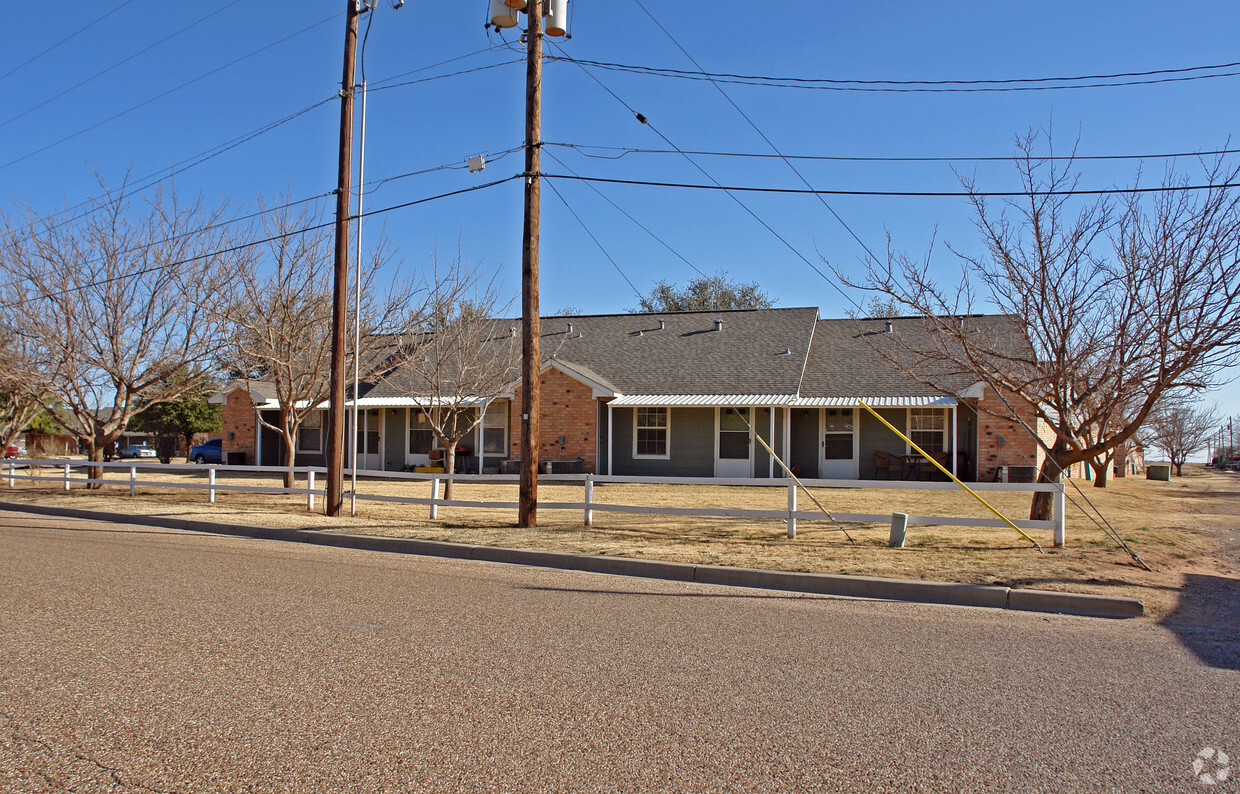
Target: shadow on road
[1207, 619]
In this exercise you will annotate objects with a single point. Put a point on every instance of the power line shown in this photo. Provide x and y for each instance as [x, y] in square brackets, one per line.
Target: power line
[761, 134]
[625, 151]
[80, 30]
[434, 65]
[642, 119]
[595, 239]
[119, 63]
[893, 193]
[620, 209]
[157, 97]
[273, 238]
[442, 76]
[920, 86]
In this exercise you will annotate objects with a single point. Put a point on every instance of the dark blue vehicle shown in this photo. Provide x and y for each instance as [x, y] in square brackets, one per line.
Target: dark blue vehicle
[209, 452]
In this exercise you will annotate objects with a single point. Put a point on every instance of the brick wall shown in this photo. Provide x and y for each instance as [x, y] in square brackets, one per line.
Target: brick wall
[1017, 447]
[568, 409]
[238, 420]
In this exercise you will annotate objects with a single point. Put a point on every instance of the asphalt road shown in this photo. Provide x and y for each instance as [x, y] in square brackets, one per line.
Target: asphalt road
[139, 659]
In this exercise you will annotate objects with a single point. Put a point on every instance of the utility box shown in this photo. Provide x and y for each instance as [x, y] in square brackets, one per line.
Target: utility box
[236, 458]
[1158, 471]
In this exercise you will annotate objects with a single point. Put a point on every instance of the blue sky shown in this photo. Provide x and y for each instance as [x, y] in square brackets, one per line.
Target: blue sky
[441, 122]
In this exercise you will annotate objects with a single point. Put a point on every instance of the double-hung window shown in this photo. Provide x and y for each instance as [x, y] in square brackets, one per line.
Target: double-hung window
[928, 428]
[495, 429]
[650, 439]
[310, 433]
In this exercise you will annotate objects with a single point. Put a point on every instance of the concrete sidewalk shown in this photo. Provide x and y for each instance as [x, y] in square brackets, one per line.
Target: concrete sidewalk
[993, 596]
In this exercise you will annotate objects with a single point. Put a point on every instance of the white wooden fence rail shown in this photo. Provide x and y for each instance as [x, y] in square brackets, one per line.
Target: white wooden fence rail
[34, 473]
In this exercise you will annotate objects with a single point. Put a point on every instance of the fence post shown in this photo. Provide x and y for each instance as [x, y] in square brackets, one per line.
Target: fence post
[792, 508]
[434, 496]
[211, 485]
[12, 472]
[589, 499]
[133, 480]
[1059, 517]
[66, 476]
[310, 489]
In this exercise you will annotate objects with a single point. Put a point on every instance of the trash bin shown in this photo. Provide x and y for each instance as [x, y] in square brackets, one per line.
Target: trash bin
[1157, 471]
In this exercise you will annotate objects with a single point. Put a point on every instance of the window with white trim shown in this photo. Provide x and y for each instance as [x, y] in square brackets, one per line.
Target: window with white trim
[928, 428]
[421, 436]
[495, 429]
[310, 433]
[650, 434]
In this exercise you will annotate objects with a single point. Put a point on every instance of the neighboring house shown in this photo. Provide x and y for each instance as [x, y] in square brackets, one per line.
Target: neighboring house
[687, 394]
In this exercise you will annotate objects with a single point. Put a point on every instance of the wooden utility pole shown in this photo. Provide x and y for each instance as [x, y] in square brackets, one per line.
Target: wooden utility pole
[340, 281]
[527, 509]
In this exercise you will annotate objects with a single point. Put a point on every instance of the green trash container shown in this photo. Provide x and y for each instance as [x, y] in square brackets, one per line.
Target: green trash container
[1159, 471]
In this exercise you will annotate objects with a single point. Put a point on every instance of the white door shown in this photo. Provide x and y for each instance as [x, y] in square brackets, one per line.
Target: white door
[839, 445]
[735, 449]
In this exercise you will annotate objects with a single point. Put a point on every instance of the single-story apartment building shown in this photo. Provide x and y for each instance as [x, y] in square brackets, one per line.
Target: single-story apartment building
[691, 394]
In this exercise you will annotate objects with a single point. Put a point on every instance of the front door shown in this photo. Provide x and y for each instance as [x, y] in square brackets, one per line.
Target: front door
[368, 458]
[735, 450]
[839, 445]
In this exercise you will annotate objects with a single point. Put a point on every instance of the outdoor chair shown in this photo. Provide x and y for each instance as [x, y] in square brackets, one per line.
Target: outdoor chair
[932, 473]
[887, 466]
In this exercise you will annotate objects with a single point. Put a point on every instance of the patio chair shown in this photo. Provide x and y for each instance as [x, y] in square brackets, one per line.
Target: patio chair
[932, 472]
[887, 466]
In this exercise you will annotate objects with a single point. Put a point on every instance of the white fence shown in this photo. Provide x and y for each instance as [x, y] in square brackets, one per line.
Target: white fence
[34, 471]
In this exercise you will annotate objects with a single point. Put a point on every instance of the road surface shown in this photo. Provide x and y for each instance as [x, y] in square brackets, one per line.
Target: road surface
[135, 659]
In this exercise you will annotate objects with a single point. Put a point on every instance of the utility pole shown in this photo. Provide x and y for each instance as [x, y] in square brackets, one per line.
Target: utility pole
[527, 499]
[340, 281]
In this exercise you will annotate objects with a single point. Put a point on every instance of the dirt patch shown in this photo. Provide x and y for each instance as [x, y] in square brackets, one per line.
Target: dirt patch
[1187, 530]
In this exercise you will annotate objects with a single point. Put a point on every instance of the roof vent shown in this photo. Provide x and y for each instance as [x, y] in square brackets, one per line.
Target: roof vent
[787, 351]
[639, 332]
[718, 325]
[570, 328]
[512, 332]
[887, 327]
[662, 325]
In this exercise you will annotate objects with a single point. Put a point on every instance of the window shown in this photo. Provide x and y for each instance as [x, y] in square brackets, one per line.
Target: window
[495, 429]
[310, 433]
[838, 436]
[928, 428]
[650, 437]
[420, 434]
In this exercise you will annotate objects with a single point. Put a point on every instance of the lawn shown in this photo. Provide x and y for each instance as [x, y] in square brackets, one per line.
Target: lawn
[1186, 529]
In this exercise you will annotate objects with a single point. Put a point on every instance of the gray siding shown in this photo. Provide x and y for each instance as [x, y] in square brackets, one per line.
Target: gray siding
[691, 445]
[762, 427]
[875, 437]
[966, 443]
[804, 445]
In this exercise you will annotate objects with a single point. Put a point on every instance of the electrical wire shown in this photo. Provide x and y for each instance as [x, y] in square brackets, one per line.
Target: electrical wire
[916, 86]
[159, 96]
[595, 239]
[119, 63]
[603, 196]
[645, 121]
[75, 33]
[273, 238]
[434, 65]
[625, 151]
[442, 76]
[898, 193]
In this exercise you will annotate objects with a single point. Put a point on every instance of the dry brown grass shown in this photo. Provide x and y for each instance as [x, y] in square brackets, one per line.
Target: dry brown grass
[1179, 528]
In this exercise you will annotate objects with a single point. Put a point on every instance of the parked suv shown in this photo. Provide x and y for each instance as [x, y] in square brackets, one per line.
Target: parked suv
[209, 452]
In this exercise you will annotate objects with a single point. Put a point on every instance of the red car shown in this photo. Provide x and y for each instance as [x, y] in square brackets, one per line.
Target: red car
[13, 451]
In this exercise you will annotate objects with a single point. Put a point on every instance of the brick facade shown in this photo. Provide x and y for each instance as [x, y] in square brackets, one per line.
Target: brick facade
[1002, 441]
[568, 409]
[238, 419]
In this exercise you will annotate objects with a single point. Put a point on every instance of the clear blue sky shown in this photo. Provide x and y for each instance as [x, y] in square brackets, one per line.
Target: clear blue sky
[444, 121]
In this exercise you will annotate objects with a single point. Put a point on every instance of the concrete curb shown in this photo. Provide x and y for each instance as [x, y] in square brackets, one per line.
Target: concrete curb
[991, 596]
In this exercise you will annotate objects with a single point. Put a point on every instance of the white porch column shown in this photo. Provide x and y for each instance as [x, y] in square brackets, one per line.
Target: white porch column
[611, 437]
[953, 445]
[771, 437]
[482, 436]
[787, 436]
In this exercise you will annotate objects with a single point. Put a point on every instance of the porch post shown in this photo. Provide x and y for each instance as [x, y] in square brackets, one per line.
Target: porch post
[611, 437]
[258, 440]
[482, 436]
[787, 435]
[771, 458]
[954, 441]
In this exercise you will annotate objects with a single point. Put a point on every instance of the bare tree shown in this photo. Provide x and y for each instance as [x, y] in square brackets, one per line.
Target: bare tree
[1180, 427]
[462, 358]
[279, 318]
[19, 398]
[1113, 303]
[113, 306]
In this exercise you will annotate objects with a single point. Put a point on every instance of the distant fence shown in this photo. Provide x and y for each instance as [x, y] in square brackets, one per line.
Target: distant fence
[39, 471]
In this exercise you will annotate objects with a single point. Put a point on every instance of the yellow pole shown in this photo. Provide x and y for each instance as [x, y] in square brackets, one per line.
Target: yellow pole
[940, 467]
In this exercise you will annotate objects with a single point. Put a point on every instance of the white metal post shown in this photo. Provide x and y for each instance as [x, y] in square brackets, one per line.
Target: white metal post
[787, 436]
[434, 496]
[611, 437]
[771, 437]
[589, 499]
[310, 490]
[953, 446]
[211, 485]
[1060, 533]
[12, 472]
[133, 480]
[792, 508]
[66, 476]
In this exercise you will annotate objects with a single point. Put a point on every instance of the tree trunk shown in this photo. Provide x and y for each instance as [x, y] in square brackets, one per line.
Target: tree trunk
[1179, 466]
[290, 455]
[1100, 471]
[1043, 506]
[94, 472]
[449, 467]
